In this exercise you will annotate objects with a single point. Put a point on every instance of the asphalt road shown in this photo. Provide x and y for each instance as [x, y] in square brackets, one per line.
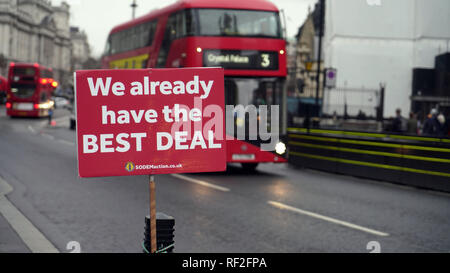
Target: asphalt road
[276, 209]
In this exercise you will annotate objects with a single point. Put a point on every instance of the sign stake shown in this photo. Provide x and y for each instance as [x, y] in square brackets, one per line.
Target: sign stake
[152, 214]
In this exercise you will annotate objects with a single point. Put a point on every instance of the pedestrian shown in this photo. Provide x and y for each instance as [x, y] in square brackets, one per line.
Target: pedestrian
[431, 125]
[442, 127]
[399, 123]
[335, 119]
[412, 124]
[361, 115]
[50, 116]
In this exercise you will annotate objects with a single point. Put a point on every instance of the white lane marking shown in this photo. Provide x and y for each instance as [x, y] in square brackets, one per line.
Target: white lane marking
[200, 182]
[5, 188]
[29, 234]
[61, 119]
[66, 142]
[31, 129]
[48, 136]
[326, 218]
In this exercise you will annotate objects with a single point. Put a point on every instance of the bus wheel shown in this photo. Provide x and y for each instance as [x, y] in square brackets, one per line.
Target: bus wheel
[251, 167]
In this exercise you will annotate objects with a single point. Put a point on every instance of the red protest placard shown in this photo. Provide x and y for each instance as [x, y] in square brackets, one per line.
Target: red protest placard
[150, 121]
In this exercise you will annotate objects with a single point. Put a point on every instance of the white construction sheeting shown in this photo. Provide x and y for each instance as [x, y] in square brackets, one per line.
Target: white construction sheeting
[380, 41]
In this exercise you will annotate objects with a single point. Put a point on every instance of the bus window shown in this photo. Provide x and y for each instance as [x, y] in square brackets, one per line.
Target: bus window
[24, 71]
[23, 91]
[144, 34]
[126, 41]
[191, 24]
[180, 26]
[228, 22]
[45, 73]
[24, 74]
[107, 47]
[257, 92]
[132, 38]
[114, 43]
[150, 30]
[122, 41]
[169, 35]
[175, 28]
[136, 37]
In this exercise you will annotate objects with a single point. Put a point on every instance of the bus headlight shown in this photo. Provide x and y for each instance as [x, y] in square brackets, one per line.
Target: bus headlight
[240, 122]
[45, 105]
[280, 148]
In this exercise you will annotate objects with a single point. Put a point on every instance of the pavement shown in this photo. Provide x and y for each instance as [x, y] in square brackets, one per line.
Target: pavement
[10, 241]
[17, 233]
[20, 235]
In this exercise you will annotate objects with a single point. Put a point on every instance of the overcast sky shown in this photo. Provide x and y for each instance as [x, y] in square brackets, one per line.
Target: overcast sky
[97, 17]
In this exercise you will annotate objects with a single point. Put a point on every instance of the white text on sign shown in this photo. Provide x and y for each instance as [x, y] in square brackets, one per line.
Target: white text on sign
[147, 87]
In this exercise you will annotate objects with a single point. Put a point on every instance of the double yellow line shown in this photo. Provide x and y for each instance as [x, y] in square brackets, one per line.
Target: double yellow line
[370, 164]
[376, 135]
[369, 152]
[372, 143]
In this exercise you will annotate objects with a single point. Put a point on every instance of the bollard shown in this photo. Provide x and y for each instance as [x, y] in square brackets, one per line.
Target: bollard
[165, 242]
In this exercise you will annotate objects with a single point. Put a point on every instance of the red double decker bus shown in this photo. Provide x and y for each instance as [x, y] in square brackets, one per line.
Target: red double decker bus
[243, 37]
[3, 86]
[30, 89]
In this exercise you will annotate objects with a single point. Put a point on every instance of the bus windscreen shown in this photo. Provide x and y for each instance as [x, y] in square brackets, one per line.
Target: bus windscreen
[24, 71]
[229, 22]
[23, 91]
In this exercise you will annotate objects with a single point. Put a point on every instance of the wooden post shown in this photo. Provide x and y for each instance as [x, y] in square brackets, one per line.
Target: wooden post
[152, 215]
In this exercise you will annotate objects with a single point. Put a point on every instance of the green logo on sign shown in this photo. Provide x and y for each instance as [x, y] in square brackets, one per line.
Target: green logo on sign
[129, 166]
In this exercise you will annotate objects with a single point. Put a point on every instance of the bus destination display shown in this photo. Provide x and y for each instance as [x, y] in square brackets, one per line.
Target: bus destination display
[241, 59]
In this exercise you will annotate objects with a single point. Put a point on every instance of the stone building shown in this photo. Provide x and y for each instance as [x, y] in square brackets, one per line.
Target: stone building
[303, 74]
[80, 48]
[35, 31]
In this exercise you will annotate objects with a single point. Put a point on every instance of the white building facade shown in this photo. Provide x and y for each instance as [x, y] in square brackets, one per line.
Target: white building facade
[36, 31]
[380, 41]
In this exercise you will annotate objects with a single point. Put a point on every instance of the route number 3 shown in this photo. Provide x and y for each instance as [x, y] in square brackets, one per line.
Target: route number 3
[265, 60]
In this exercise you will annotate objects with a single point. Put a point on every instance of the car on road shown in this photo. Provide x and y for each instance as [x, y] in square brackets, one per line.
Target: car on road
[61, 102]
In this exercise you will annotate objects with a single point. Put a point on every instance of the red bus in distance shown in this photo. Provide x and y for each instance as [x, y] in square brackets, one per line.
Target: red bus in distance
[243, 37]
[30, 88]
[3, 87]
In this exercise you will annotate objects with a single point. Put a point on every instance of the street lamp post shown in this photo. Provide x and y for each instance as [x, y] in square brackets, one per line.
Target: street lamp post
[319, 55]
[133, 7]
